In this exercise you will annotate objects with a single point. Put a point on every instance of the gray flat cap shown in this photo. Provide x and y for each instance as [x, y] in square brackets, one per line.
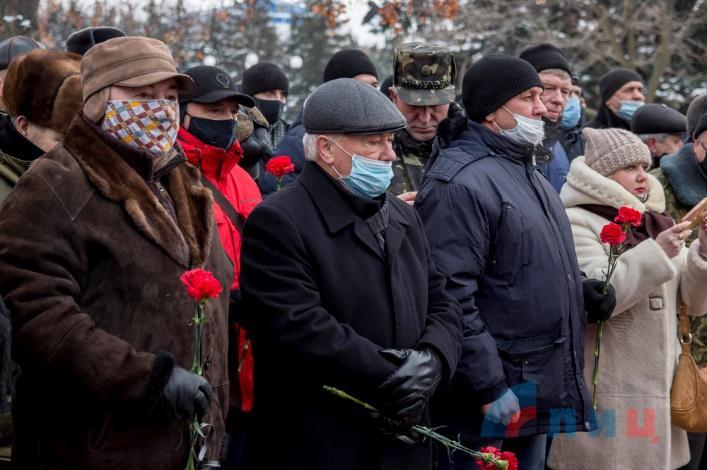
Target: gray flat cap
[348, 106]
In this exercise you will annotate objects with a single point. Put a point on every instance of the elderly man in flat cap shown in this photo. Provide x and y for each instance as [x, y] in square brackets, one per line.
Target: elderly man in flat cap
[93, 241]
[339, 286]
[661, 128]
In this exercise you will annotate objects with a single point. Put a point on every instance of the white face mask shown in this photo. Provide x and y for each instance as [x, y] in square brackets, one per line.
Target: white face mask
[527, 130]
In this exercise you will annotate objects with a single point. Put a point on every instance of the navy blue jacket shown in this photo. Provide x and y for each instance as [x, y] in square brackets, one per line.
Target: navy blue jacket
[499, 233]
[290, 145]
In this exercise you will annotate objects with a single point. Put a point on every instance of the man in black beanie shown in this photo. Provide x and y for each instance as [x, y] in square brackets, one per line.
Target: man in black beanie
[351, 63]
[269, 86]
[555, 73]
[347, 63]
[499, 233]
[621, 94]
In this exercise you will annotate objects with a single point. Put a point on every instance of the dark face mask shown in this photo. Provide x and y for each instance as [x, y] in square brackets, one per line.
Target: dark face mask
[219, 133]
[271, 109]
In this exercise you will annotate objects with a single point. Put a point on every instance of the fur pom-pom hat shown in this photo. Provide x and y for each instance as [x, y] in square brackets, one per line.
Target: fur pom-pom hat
[45, 87]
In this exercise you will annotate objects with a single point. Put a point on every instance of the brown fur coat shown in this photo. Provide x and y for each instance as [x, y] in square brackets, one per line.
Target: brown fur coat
[89, 268]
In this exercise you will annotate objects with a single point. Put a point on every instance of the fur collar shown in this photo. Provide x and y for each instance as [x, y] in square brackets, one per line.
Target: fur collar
[586, 186]
[685, 176]
[186, 240]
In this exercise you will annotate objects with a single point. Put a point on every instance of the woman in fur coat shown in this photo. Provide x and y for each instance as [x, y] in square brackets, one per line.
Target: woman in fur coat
[640, 347]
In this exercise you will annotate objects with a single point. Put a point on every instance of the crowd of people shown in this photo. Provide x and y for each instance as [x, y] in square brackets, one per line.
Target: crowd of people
[438, 257]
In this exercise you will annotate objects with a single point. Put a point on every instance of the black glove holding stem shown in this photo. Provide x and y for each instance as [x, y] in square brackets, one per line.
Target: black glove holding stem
[598, 305]
[187, 393]
[410, 387]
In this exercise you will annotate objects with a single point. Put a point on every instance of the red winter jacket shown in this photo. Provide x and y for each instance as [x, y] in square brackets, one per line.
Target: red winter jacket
[221, 168]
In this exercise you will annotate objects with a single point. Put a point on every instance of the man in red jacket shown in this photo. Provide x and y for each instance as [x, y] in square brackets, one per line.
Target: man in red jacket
[207, 136]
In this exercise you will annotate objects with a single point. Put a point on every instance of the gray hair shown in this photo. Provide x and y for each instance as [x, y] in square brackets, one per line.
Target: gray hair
[558, 73]
[309, 142]
[658, 137]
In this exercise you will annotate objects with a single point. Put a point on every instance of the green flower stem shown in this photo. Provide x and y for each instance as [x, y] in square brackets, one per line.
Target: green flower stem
[430, 433]
[613, 261]
[197, 368]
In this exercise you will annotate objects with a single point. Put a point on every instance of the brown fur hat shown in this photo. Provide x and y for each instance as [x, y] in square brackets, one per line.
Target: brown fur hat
[45, 87]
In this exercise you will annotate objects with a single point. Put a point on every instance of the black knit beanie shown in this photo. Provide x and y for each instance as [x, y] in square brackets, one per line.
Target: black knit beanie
[347, 63]
[264, 76]
[492, 81]
[615, 79]
[546, 56]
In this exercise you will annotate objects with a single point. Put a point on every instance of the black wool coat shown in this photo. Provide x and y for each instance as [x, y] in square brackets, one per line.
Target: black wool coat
[321, 301]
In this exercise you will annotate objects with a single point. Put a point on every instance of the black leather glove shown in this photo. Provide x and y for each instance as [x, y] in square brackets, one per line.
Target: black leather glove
[256, 147]
[187, 393]
[410, 387]
[598, 305]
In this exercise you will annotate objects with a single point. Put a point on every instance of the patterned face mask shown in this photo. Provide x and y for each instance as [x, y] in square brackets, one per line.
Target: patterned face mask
[151, 125]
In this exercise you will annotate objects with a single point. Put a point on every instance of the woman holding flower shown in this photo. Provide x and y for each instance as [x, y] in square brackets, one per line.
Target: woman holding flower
[654, 273]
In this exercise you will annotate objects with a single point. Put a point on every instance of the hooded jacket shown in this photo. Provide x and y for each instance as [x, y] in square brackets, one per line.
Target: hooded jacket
[639, 348]
[499, 234]
[221, 168]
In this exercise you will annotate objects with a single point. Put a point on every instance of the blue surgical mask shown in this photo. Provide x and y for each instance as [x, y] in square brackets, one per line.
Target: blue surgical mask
[628, 108]
[527, 130]
[368, 178]
[571, 114]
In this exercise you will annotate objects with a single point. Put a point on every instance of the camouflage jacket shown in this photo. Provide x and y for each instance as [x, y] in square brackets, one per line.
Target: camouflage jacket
[698, 325]
[409, 165]
[10, 171]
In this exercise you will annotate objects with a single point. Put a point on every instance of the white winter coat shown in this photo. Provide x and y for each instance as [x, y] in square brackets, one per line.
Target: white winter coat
[640, 347]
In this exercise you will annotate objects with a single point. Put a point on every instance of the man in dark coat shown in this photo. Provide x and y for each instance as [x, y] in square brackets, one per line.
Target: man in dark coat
[621, 94]
[571, 136]
[555, 74]
[661, 128]
[499, 233]
[93, 241]
[339, 285]
[346, 63]
[424, 80]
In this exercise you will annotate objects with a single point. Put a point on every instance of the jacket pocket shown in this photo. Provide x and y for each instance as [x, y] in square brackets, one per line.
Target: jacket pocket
[507, 253]
[545, 367]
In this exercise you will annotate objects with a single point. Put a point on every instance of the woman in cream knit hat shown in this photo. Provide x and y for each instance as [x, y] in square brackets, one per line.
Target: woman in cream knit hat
[640, 347]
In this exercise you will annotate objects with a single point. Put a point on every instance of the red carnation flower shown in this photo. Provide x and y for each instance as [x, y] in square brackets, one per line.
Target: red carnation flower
[629, 216]
[201, 284]
[613, 234]
[280, 166]
[509, 457]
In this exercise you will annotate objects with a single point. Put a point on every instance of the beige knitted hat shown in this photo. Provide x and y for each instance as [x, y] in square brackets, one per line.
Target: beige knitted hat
[609, 150]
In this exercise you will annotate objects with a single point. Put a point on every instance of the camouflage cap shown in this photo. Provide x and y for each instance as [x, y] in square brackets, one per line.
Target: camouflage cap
[424, 74]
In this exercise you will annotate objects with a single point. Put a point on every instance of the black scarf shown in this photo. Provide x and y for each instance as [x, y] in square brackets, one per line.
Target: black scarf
[652, 223]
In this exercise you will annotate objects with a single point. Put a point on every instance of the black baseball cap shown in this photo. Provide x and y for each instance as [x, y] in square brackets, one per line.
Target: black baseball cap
[212, 85]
